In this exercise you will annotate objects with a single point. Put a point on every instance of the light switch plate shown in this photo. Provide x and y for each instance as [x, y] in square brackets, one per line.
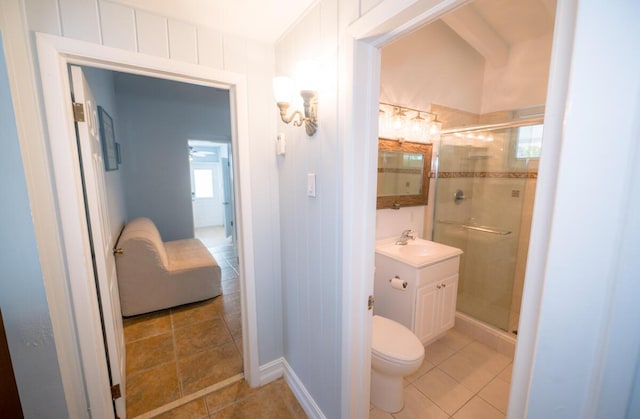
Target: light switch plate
[311, 185]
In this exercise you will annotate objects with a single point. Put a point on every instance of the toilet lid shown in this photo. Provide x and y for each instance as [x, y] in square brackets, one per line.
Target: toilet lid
[394, 342]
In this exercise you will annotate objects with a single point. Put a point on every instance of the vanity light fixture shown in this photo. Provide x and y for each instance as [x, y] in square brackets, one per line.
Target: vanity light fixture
[283, 88]
[402, 123]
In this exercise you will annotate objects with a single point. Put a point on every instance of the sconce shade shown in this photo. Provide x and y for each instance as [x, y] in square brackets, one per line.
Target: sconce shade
[283, 89]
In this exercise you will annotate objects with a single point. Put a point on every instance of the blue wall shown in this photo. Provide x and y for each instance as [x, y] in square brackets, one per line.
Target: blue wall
[22, 295]
[157, 118]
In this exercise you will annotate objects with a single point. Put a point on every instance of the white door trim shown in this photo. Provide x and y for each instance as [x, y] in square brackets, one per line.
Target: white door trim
[384, 23]
[54, 54]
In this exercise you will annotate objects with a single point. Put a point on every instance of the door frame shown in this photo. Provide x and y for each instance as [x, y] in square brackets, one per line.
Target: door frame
[360, 62]
[55, 54]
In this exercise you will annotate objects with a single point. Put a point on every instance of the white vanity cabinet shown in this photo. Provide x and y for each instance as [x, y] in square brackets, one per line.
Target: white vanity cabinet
[427, 305]
[435, 308]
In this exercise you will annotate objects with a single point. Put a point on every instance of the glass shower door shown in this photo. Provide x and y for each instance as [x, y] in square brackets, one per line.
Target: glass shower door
[483, 202]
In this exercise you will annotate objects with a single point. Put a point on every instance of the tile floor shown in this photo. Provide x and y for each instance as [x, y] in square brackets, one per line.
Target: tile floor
[175, 352]
[212, 236]
[460, 378]
[239, 401]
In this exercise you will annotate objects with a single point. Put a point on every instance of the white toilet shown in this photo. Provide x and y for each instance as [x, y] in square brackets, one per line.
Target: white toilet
[395, 352]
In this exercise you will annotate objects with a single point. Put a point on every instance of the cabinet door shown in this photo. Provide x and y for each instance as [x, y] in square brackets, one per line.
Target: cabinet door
[447, 294]
[427, 307]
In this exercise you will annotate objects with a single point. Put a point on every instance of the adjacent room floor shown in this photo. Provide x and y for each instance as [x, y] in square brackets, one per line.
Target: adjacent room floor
[239, 401]
[176, 352]
[460, 378]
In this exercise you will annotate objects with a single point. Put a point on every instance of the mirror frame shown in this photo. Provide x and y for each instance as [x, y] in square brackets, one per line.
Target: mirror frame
[399, 201]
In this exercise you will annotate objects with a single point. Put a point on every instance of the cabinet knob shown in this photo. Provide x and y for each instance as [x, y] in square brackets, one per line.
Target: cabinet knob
[438, 286]
[444, 285]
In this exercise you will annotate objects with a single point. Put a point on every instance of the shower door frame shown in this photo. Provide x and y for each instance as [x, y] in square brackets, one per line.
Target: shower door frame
[516, 123]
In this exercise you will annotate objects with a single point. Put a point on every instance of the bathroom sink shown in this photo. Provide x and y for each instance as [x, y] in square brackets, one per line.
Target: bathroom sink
[417, 253]
[418, 250]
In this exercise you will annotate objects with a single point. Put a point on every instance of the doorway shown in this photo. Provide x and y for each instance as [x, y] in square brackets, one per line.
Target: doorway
[52, 52]
[210, 166]
[481, 71]
[174, 352]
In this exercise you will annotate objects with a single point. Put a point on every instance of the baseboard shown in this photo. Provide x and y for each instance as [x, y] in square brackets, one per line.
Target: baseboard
[304, 398]
[271, 371]
[499, 340]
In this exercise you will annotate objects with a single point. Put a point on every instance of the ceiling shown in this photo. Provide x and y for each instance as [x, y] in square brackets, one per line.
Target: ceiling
[491, 27]
[262, 20]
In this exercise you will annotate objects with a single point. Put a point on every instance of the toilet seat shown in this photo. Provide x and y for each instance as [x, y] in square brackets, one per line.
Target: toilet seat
[394, 343]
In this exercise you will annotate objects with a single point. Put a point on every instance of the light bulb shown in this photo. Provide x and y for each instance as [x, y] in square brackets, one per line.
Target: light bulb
[283, 89]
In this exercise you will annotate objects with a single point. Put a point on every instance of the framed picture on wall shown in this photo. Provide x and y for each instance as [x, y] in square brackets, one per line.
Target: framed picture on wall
[107, 137]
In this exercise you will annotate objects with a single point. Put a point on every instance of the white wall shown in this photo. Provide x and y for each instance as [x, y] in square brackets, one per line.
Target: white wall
[102, 86]
[122, 27]
[432, 65]
[157, 118]
[391, 223]
[311, 241]
[587, 340]
[22, 297]
[522, 81]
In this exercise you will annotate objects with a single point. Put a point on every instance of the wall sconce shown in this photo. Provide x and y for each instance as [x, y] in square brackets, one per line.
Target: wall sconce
[283, 90]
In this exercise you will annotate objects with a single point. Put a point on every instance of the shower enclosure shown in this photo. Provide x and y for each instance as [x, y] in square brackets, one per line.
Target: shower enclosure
[485, 187]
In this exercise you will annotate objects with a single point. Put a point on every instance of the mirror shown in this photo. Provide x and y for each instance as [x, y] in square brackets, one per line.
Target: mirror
[403, 173]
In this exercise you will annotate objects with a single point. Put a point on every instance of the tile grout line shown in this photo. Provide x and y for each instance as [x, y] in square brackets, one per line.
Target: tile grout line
[175, 355]
[474, 394]
[191, 397]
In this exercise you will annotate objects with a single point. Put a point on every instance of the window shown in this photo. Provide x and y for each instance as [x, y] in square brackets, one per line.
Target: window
[203, 180]
[529, 142]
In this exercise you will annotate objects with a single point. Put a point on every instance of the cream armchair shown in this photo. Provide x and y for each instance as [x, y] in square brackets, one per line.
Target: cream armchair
[153, 275]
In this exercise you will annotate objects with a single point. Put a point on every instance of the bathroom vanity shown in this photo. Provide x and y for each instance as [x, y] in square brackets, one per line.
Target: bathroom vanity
[423, 294]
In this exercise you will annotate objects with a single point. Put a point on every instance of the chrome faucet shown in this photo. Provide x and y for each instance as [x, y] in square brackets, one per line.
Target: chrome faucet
[404, 238]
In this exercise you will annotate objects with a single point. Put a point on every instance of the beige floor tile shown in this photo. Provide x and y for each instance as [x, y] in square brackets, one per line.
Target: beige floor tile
[285, 393]
[146, 325]
[469, 373]
[437, 352]
[487, 358]
[238, 341]
[151, 389]
[244, 409]
[506, 373]
[234, 323]
[418, 406]
[455, 340]
[230, 287]
[231, 303]
[268, 402]
[497, 394]
[446, 392]
[149, 352]
[209, 367]
[232, 393]
[193, 313]
[424, 368]
[200, 336]
[196, 409]
[376, 413]
[478, 409]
